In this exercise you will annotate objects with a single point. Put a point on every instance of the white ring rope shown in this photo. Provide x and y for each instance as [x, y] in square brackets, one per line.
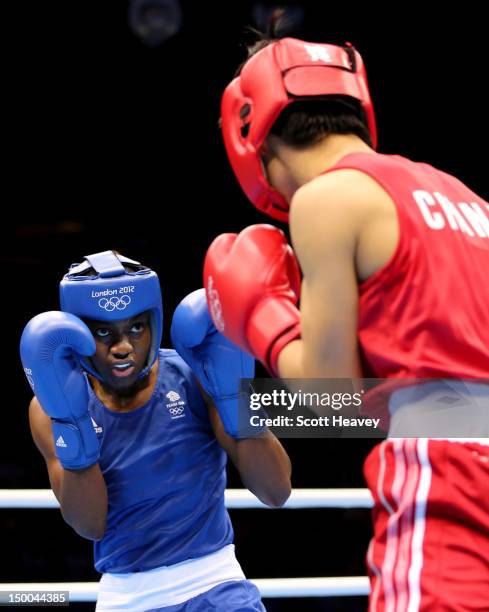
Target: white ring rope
[268, 587]
[235, 499]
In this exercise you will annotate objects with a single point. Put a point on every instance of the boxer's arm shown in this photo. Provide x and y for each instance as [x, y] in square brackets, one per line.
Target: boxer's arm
[262, 462]
[325, 221]
[82, 494]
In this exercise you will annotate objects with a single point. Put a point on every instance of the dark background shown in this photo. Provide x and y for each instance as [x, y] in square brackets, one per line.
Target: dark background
[111, 144]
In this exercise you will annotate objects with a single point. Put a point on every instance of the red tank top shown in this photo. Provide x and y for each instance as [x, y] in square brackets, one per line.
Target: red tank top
[426, 312]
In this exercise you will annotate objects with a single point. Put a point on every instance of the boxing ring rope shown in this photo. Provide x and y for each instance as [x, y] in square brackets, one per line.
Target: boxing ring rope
[235, 499]
[268, 587]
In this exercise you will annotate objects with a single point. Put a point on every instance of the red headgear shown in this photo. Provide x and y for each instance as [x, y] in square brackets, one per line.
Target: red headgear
[279, 74]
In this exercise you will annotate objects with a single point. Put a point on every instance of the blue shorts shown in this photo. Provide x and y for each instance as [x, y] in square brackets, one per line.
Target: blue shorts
[233, 596]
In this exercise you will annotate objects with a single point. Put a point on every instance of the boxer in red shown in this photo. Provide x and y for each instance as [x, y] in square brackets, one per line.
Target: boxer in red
[395, 260]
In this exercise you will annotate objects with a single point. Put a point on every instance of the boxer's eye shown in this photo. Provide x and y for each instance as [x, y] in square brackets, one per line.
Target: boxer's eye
[102, 332]
[137, 327]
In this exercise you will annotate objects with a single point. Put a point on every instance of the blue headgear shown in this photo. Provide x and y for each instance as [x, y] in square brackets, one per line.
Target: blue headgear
[101, 289]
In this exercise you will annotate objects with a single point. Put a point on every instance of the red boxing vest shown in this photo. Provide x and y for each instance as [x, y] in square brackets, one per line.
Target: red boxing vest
[426, 312]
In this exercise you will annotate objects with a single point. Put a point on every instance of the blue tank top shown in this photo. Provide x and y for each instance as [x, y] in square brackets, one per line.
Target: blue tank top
[165, 474]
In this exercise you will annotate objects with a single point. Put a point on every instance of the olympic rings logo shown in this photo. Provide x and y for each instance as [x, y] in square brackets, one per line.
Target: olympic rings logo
[175, 411]
[119, 303]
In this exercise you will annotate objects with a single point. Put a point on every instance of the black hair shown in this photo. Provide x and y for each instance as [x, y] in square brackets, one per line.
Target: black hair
[305, 122]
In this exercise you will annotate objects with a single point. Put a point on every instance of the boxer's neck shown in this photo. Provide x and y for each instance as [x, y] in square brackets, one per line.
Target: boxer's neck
[303, 165]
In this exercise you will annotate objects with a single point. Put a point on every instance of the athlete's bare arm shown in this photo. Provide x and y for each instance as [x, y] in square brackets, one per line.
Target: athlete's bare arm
[82, 494]
[344, 228]
[262, 462]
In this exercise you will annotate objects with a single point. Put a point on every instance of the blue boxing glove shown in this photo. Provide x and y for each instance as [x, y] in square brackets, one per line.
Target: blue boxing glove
[217, 363]
[49, 349]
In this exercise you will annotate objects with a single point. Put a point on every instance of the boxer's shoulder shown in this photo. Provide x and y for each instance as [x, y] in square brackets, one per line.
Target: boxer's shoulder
[346, 190]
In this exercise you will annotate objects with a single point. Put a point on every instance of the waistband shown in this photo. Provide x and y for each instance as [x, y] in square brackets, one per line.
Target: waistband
[169, 585]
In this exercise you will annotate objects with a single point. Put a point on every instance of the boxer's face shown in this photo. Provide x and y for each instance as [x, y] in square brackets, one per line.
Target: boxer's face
[122, 349]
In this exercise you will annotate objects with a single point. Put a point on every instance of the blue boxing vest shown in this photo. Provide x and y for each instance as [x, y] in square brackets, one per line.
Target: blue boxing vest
[165, 474]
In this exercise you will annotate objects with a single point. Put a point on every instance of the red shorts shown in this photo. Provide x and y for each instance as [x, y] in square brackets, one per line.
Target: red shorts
[430, 550]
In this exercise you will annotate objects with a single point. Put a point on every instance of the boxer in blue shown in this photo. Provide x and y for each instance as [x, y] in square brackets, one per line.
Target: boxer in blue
[135, 438]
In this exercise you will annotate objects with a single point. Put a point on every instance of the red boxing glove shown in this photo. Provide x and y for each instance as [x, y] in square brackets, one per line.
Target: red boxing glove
[252, 283]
